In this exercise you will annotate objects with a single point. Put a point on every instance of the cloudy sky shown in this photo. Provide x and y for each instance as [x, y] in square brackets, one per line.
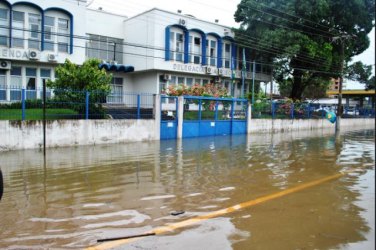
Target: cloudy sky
[208, 10]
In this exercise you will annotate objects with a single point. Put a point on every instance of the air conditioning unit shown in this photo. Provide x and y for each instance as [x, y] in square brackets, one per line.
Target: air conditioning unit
[34, 55]
[166, 77]
[209, 70]
[5, 65]
[182, 21]
[52, 57]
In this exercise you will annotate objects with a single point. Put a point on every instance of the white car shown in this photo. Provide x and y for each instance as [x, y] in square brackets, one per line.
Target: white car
[351, 111]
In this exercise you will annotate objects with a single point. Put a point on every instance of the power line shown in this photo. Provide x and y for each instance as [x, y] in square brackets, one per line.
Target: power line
[162, 57]
[303, 54]
[163, 50]
[303, 59]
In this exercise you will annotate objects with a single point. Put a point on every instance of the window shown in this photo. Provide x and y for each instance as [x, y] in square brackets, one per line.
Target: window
[105, 48]
[15, 83]
[18, 20]
[34, 27]
[4, 24]
[45, 74]
[181, 80]
[189, 81]
[49, 29]
[63, 35]
[177, 46]
[31, 77]
[3, 85]
[173, 80]
[195, 49]
[211, 52]
[116, 94]
[227, 55]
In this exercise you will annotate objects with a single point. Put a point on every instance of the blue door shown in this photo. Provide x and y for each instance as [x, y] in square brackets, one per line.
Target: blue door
[208, 116]
[169, 117]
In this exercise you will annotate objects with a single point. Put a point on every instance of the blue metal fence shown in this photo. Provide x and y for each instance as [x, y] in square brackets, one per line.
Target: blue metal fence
[169, 117]
[208, 116]
[286, 110]
[26, 104]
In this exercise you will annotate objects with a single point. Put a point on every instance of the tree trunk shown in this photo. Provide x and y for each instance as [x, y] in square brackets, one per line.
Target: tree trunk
[297, 86]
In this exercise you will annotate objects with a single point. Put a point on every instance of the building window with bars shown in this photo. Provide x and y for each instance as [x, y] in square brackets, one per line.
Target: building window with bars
[63, 35]
[34, 31]
[18, 26]
[4, 24]
[105, 48]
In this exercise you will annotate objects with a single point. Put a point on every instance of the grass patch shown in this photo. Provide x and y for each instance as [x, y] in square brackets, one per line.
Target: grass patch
[37, 114]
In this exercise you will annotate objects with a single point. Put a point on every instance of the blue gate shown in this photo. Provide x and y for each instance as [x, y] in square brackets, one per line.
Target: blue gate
[207, 116]
[169, 117]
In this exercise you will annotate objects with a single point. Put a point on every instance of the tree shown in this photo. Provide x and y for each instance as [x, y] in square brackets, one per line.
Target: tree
[362, 73]
[303, 38]
[73, 81]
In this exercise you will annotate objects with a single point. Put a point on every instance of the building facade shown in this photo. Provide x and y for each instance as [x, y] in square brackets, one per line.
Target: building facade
[181, 49]
[163, 48]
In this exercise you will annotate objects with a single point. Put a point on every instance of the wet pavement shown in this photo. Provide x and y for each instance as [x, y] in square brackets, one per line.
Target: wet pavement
[82, 194]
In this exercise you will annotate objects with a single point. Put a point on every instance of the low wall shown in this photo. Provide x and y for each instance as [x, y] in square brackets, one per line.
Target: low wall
[61, 133]
[282, 125]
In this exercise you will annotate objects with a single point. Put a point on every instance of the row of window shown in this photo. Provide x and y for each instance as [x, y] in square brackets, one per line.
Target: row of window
[195, 49]
[26, 31]
[214, 52]
[233, 89]
[10, 90]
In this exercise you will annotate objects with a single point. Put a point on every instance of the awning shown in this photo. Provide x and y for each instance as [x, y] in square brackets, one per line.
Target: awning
[116, 67]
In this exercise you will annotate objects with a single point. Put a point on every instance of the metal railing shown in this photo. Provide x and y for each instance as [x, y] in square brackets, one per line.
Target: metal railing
[27, 104]
[286, 110]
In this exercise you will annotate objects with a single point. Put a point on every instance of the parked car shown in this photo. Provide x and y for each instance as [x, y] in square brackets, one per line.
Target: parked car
[351, 111]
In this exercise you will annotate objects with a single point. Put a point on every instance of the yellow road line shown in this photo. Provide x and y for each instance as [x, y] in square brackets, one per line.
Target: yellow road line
[185, 223]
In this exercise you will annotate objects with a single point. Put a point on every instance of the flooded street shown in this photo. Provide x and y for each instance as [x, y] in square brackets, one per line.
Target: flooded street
[82, 194]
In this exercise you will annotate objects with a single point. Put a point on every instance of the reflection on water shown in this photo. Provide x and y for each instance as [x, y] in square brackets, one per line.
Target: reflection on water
[86, 193]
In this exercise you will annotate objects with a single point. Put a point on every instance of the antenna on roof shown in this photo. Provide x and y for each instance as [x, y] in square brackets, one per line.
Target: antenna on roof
[179, 11]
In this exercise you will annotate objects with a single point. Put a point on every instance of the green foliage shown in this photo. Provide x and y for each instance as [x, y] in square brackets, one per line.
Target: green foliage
[33, 103]
[371, 83]
[37, 114]
[74, 81]
[304, 38]
[207, 90]
[362, 73]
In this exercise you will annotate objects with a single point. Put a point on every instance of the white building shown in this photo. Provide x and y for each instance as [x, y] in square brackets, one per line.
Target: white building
[181, 49]
[163, 48]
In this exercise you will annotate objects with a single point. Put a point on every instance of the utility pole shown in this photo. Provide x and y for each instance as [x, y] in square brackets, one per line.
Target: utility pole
[339, 106]
[341, 39]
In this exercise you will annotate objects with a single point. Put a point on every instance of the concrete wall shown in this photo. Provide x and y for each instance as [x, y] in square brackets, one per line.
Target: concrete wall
[279, 125]
[29, 134]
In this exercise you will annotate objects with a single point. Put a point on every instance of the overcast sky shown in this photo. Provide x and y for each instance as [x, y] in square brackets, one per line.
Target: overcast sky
[208, 10]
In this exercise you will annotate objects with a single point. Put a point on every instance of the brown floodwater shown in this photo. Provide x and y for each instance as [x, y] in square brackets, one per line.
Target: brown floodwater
[81, 194]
